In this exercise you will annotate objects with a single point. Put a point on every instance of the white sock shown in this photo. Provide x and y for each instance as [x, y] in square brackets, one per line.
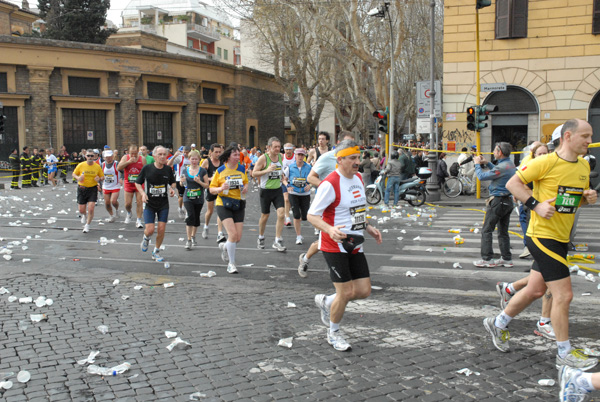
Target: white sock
[230, 246]
[304, 258]
[544, 320]
[564, 348]
[502, 320]
[279, 239]
[156, 250]
[585, 381]
[261, 237]
[333, 326]
[220, 233]
[511, 289]
[329, 300]
[205, 226]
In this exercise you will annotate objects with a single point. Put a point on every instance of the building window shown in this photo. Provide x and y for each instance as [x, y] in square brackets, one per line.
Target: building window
[158, 90]
[84, 86]
[226, 54]
[3, 82]
[205, 48]
[596, 18]
[190, 43]
[84, 128]
[209, 95]
[511, 19]
[219, 52]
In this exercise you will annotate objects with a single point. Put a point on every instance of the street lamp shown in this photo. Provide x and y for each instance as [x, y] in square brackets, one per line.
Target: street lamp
[432, 183]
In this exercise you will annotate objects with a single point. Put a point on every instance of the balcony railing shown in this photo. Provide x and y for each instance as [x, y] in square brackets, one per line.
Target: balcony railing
[205, 34]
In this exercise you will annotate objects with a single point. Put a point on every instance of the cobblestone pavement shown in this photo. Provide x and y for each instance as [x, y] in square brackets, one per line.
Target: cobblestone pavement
[409, 338]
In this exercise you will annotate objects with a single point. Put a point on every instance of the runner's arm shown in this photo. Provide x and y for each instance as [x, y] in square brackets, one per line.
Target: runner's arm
[258, 168]
[123, 163]
[313, 178]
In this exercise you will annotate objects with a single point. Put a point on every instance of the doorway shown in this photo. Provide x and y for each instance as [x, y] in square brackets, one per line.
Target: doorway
[514, 135]
[208, 129]
[10, 139]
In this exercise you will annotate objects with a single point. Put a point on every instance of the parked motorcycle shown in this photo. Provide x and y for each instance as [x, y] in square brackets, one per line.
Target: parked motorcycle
[411, 190]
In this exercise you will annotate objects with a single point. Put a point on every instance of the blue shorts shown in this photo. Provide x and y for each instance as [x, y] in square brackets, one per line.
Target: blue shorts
[52, 169]
[150, 214]
[284, 188]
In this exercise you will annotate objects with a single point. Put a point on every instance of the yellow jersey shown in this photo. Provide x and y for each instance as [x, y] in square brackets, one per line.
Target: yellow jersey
[555, 177]
[89, 171]
[236, 178]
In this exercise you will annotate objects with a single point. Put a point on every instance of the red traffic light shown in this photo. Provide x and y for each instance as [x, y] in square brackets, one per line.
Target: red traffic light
[378, 114]
[471, 110]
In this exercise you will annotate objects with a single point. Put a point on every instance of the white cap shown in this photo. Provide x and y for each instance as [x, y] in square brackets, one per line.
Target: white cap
[193, 145]
[107, 153]
[556, 133]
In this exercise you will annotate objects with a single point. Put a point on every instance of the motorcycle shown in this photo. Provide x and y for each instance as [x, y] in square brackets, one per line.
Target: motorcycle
[411, 190]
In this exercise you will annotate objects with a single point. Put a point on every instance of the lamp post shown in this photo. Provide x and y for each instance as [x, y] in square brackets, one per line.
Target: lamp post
[432, 183]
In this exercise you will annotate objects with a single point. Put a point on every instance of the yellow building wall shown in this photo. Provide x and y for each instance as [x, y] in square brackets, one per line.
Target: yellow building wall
[558, 63]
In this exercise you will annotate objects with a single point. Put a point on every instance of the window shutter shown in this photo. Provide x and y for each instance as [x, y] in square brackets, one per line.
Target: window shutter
[596, 18]
[519, 19]
[503, 19]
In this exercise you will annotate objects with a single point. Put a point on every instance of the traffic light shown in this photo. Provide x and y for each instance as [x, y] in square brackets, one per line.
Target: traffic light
[482, 115]
[382, 115]
[472, 118]
[483, 3]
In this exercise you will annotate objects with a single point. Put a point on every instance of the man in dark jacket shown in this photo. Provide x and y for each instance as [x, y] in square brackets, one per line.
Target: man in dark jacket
[15, 166]
[36, 163]
[442, 170]
[26, 168]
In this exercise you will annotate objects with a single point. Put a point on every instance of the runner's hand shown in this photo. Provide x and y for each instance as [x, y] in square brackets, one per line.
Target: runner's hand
[545, 209]
[144, 197]
[271, 168]
[171, 192]
[307, 188]
[591, 196]
[336, 234]
[375, 233]
[225, 186]
[245, 190]
[97, 179]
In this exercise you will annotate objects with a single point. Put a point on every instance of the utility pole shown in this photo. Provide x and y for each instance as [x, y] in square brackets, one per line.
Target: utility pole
[432, 183]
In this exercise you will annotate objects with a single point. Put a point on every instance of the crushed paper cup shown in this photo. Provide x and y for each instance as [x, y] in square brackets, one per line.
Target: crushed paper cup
[169, 285]
[285, 342]
[271, 266]
[196, 396]
[116, 282]
[170, 334]
[124, 297]
[25, 300]
[429, 250]
[456, 265]
[26, 259]
[6, 384]
[418, 238]
[399, 238]
[211, 274]
[376, 287]
[586, 294]
[49, 302]
[179, 344]
[547, 382]
[12, 299]
[590, 278]
[411, 274]
[291, 305]
[138, 287]
[103, 329]
[90, 358]
[574, 268]
[591, 352]
[38, 317]
[3, 290]
[467, 372]
[7, 257]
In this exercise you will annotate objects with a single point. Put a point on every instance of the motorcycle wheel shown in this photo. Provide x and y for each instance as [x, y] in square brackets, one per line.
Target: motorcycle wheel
[420, 198]
[373, 196]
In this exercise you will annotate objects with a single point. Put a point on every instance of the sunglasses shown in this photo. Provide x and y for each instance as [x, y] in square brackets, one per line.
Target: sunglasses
[89, 156]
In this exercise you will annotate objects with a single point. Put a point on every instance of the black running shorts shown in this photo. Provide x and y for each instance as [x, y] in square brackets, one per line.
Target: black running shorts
[344, 267]
[550, 258]
[271, 196]
[86, 194]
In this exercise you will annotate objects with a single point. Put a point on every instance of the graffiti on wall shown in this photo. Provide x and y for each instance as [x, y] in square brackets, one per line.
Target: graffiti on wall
[462, 138]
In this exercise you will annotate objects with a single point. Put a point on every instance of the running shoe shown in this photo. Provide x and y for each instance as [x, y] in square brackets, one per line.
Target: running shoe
[194, 243]
[320, 302]
[303, 266]
[144, 244]
[500, 337]
[336, 339]
[224, 255]
[504, 263]
[288, 221]
[182, 213]
[86, 228]
[117, 214]
[260, 243]
[128, 218]
[484, 264]
[577, 359]
[205, 233]
[221, 238]
[504, 292]
[111, 219]
[156, 257]
[188, 245]
[546, 330]
[570, 391]
[316, 232]
[278, 245]
[83, 219]
[525, 253]
[139, 224]
[231, 269]
[299, 240]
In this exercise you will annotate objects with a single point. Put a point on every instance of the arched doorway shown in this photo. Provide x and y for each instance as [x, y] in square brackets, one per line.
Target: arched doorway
[516, 120]
[594, 119]
[251, 133]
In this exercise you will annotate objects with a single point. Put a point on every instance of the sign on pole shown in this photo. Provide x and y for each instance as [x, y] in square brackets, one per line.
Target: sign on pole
[424, 100]
[423, 126]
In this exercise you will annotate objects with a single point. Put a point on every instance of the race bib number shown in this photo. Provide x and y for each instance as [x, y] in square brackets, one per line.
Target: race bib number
[132, 178]
[358, 215]
[193, 194]
[275, 174]
[299, 182]
[235, 182]
[158, 191]
[109, 178]
[568, 199]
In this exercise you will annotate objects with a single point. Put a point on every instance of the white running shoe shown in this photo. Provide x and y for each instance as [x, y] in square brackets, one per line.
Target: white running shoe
[86, 228]
[182, 213]
[278, 245]
[83, 219]
[302, 266]
[205, 233]
[288, 221]
[139, 224]
[299, 240]
[111, 219]
[117, 214]
[231, 269]
[546, 330]
[224, 255]
[128, 218]
[320, 302]
[336, 339]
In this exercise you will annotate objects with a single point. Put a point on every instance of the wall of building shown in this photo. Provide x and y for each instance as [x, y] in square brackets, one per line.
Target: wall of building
[558, 63]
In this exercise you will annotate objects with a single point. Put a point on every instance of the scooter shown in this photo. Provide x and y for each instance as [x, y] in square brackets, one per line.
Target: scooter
[411, 190]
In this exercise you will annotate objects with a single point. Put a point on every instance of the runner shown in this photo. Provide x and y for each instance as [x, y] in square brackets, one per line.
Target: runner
[194, 179]
[288, 159]
[51, 165]
[159, 181]
[323, 147]
[321, 169]
[145, 154]
[210, 165]
[561, 187]
[63, 163]
[339, 212]
[131, 165]
[179, 162]
[111, 187]
[269, 169]
[88, 175]
[299, 193]
[229, 182]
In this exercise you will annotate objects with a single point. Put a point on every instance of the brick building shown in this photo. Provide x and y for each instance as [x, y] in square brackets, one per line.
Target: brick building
[15, 20]
[546, 51]
[83, 95]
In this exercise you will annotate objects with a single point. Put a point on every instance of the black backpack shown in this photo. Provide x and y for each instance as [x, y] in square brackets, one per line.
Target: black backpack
[453, 169]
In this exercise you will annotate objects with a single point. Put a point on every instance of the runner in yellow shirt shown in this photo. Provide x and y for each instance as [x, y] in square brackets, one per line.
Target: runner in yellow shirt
[88, 174]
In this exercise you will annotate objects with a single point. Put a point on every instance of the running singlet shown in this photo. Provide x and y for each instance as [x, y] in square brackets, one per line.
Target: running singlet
[288, 162]
[211, 168]
[89, 171]
[341, 201]
[555, 177]
[272, 180]
[180, 164]
[132, 171]
[194, 192]
[51, 162]
[236, 179]
[111, 177]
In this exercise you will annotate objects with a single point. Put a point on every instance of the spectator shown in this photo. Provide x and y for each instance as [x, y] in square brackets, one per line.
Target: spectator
[366, 165]
[442, 170]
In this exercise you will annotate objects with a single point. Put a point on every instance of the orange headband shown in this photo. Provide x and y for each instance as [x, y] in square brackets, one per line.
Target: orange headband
[347, 152]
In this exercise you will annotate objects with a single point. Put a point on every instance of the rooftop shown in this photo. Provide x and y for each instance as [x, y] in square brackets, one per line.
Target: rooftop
[178, 7]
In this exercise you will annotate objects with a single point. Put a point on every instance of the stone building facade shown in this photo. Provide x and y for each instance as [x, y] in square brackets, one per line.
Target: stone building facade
[82, 95]
[547, 52]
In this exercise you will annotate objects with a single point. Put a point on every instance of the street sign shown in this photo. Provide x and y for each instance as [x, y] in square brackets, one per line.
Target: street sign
[423, 126]
[90, 136]
[493, 87]
[424, 100]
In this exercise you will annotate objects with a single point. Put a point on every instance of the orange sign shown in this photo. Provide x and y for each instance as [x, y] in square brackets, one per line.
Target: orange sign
[451, 146]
